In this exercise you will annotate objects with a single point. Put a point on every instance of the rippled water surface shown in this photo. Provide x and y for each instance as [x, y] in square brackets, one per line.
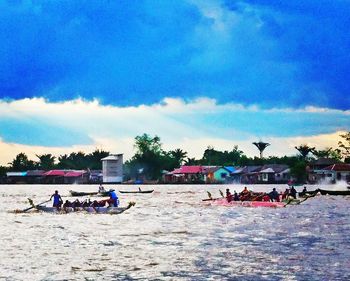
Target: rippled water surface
[172, 235]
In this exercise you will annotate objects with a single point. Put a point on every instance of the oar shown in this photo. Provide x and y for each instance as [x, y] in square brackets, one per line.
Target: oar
[34, 206]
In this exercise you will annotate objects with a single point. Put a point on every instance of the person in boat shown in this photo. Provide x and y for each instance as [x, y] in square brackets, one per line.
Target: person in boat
[67, 204]
[235, 196]
[86, 203]
[113, 200]
[96, 203]
[293, 192]
[229, 196]
[266, 198]
[101, 189]
[77, 204]
[245, 194]
[274, 195]
[57, 200]
[285, 194]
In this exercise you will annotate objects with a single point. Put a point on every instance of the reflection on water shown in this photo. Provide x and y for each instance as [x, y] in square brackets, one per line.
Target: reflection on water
[172, 235]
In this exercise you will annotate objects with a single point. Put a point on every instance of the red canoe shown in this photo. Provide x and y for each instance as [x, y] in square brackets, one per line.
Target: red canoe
[223, 202]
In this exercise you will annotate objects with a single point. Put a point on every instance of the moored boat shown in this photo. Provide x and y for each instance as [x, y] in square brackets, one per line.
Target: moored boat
[136, 191]
[334, 192]
[81, 193]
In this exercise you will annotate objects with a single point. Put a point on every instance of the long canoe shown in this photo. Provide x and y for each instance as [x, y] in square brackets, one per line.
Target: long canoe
[334, 192]
[97, 210]
[81, 193]
[223, 202]
[308, 193]
[136, 191]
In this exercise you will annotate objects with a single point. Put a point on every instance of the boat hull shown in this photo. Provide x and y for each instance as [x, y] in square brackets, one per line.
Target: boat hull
[253, 204]
[80, 193]
[143, 191]
[98, 210]
[334, 192]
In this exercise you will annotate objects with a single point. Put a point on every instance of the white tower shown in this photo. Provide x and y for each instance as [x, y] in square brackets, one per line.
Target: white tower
[112, 168]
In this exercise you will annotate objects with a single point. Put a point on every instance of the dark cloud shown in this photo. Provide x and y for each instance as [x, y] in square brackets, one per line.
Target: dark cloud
[272, 53]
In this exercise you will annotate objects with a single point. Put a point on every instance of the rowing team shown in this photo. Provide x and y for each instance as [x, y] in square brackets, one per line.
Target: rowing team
[113, 201]
[273, 196]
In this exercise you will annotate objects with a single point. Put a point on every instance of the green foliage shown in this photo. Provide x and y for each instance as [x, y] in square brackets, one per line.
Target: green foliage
[344, 146]
[3, 171]
[212, 157]
[22, 163]
[304, 150]
[298, 171]
[46, 161]
[328, 153]
[147, 163]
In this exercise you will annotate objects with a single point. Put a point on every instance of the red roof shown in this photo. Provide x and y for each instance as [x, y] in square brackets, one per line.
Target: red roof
[338, 167]
[74, 174]
[54, 173]
[188, 170]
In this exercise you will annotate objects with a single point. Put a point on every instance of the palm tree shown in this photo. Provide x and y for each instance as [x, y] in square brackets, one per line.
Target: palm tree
[304, 150]
[179, 155]
[261, 146]
[46, 161]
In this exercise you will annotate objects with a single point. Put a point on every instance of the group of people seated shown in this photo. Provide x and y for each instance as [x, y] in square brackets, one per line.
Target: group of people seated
[113, 201]
[274, 195]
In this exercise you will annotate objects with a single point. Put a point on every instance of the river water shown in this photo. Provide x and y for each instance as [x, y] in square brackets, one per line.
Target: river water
[172, 235]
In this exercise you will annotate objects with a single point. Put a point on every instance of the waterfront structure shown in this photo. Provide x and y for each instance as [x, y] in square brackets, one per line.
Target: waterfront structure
[112, 168]
[335, 172]
[216, 174]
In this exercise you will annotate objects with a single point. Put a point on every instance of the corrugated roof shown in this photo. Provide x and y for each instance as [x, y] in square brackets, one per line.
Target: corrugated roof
[54, 173]
[33, 173]
[267, 171]
[338, 167]
[112, 157]
[74, 174]
[16, 174]
[188, 170]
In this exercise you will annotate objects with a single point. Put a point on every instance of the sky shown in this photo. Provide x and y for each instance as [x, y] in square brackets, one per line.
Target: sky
[81, 75]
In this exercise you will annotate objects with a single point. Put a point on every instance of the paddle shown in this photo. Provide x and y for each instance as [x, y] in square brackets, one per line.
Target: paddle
[221, 193]
[33, 206]
[210, 197]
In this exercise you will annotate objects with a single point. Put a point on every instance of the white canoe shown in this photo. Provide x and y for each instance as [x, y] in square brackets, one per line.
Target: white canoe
[97, 210]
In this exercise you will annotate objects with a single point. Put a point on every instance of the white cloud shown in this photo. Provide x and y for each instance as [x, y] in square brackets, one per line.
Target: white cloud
[189, 125]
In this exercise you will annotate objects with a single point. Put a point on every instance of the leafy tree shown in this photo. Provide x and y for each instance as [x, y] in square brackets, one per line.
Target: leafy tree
[299, 171]
[328, 153]
[148, 159]
[21, 163]
[191, 161]
[46, 161]
[344, 146]
[178, 155]
[64, 162]
[94, 159]
[3, 171]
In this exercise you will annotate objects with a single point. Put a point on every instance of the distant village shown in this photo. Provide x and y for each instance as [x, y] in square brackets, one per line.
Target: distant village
[153, 165]
[325, 170]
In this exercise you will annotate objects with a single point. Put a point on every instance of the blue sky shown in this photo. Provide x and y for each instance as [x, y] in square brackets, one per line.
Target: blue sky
[279, 57]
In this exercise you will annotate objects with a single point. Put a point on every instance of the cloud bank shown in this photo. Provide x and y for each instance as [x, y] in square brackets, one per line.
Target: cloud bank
[38, 126]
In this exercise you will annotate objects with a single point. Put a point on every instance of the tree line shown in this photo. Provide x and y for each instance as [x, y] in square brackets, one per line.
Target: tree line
[150, 160]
